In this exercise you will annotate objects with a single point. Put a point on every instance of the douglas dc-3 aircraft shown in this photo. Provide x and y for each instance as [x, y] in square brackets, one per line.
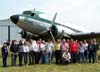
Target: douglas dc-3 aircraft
[34, 24]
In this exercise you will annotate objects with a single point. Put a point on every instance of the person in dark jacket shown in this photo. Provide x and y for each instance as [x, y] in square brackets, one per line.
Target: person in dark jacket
[96, 47]
[14, 52]
[4, 51]
[92, 48]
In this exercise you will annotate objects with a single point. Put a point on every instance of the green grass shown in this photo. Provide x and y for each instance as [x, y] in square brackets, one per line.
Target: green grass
[52, 68]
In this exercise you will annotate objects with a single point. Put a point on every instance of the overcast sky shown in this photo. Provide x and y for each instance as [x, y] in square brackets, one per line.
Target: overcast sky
[84, 13]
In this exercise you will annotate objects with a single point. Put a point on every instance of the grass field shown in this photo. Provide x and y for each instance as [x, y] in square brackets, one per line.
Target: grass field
[52, 68]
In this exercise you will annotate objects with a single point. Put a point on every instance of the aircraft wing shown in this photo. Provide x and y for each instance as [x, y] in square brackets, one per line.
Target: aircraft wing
[86, 35]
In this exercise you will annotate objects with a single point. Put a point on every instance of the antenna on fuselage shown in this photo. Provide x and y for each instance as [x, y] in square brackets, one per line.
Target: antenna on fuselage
[34, 9]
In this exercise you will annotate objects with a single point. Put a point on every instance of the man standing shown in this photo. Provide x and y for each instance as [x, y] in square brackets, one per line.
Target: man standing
[58, 54]
[49, 47]
[73, 50]
[86, 53]
[31, 52]
[92, 51]
[64, 46]
[96, 47]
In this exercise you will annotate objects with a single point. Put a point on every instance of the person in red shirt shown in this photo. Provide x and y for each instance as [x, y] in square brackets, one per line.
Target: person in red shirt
[73, 50]
[70, 44]
[77, 42]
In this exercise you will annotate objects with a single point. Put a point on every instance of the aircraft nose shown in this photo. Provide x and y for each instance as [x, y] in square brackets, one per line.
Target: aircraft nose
[14, 19]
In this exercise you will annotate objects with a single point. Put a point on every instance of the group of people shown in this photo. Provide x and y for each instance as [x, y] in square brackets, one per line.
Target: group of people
[40, 51]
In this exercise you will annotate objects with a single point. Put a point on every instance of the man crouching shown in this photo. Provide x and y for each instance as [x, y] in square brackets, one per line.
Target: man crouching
[66, 57]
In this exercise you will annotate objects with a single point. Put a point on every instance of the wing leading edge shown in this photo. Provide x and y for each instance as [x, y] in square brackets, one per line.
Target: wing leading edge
[86, 35]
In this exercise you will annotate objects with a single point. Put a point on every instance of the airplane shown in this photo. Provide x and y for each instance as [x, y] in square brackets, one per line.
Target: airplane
[35, 24]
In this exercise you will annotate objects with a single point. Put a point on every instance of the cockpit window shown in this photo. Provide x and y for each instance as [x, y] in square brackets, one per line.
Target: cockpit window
[28, 13]
[32, 14]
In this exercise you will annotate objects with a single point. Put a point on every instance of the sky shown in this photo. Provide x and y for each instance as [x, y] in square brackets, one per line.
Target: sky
[84, 13]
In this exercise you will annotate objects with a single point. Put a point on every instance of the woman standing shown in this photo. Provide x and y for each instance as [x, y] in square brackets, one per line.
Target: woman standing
[4, 54]
[14, 52]
[81, 52]
[25, 52]
[20, 52]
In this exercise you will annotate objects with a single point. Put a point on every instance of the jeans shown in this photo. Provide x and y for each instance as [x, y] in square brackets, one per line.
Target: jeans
[4, 61]
[74, 57]
[25, 58]
[58, 55]
[86, 55]
[20, 58]
[92, 55]
[95, 56]
[43, 57]
[36, 57]
[13, 60]
[31, 57]
[81, 57]
[48, 57]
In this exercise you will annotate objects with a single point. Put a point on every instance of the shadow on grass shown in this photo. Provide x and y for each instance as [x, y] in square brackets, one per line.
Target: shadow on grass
[6, 66]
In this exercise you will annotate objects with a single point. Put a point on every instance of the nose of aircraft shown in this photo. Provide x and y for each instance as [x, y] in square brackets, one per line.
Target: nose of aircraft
[14, 19]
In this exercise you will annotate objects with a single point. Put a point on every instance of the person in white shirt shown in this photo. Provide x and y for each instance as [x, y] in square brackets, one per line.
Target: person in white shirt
[86, 53]
[43, 52]
[81, 52]
[36, 51]
[25, 52]
[35, 47]
[66, 57]
[31, 52]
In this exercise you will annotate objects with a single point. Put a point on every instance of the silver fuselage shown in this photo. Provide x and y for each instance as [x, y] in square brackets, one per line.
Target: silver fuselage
[37, 27]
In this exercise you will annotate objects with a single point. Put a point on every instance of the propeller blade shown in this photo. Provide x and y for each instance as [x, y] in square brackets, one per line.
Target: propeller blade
[54, 18]
[52, 36]
[62, 34]
[53, 23]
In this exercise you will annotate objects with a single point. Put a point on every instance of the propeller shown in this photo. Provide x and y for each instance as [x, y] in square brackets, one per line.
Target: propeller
[23, 33]
[54, 18]
[53, 24]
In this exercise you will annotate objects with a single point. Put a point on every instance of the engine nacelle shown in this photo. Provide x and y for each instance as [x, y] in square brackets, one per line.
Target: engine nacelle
[28, 35]
[25, 34]
[54, 30]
